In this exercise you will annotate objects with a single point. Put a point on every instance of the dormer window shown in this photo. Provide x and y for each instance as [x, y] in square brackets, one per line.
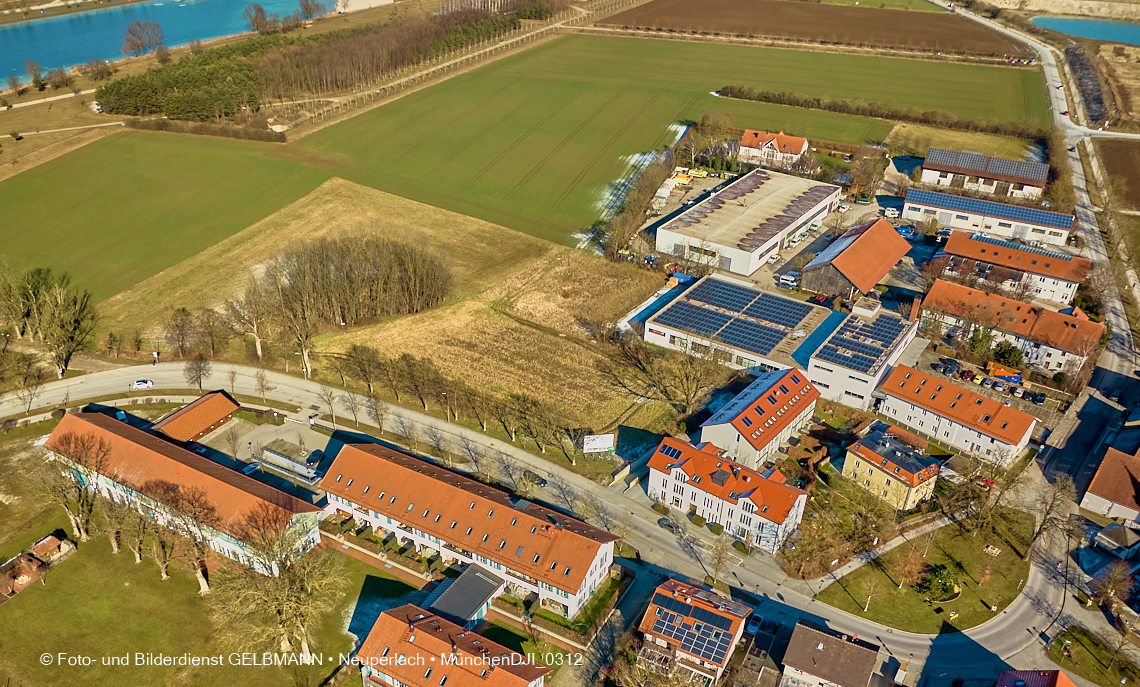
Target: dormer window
[338, 477]
[746, 421]
[367, 488]
[349, 482]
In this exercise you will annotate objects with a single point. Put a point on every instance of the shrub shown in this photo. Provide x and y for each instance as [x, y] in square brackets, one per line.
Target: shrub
[1009, 355]
[58, 414]
[15, 135]
[739, 546]
[698, 521]
[1059, 379]
[716, 528]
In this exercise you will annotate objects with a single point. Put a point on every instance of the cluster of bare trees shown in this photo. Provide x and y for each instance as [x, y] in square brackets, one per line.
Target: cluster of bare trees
[141, 37]
[627, 221]
[258, 20]
[44, 306]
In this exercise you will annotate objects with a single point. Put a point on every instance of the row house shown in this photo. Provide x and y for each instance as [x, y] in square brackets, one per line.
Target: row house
[1049, 339]
[126, 463]
[754, 424]
[546, 555]
[1036, 272]
[758, 508]
[955, 416]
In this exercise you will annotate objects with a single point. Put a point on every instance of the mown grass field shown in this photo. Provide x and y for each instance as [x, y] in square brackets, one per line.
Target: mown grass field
[130, 205]
[532, 141]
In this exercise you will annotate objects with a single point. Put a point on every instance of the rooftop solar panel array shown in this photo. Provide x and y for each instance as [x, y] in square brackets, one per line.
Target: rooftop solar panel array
[750, 336]
[699, 632]
[779, 310]
[861, 345]
[1022, 248]
[723, 294]
[976, 162]
[1013, 213]
[692, 318]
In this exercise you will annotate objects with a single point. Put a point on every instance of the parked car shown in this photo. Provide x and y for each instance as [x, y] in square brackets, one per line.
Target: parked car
[844, 207]
[906, 232]
[967, 375]
[774, 259]
[979, 378]
[201, 450]
[819, 299]
[1065, 113]
[668, 524]
[952, 366]
[143, 384]
[1007, 402]
[770, 627]
[891, 213]
[1039, 399]
[999, 385]
[1115, 396]
[787, 281]
[945, 231]
[754, 623]
[534, 478]
[987, 383]
[1017, 391]
[938, 367]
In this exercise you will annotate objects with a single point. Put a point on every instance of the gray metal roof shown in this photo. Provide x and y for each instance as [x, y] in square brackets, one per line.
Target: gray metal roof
[462, 600]
[1033, 173]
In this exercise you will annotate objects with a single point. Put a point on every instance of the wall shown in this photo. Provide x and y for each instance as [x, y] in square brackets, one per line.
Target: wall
[1039, 354]
[992, 186]
[667, 337]
[727, 438]
[1108, 508]
[951, 433]
[828, 280]
[991, 226]
[899, 495]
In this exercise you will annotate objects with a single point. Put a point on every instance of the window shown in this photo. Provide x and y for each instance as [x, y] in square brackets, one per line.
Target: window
[381, 496]
[771, 399]
[472, 506]
[986, 418]
[746, 421]
[385, 652]
[338, 477]
[490, 512]
[764, 509]
[796, 380]
[965, 218]
[783, 389]
[554, 565]
[533, 529]
[454, 523]
[536, 557]
[566, 572]
[887, 484]
[469, 529]
[427, 674]
[425, 513]
[349, 481]
[410, 507]
[503, 545]
[392, 501]
[443, 681]
[437, 518]
[1004, 225]
[367, 488]
[486, 536]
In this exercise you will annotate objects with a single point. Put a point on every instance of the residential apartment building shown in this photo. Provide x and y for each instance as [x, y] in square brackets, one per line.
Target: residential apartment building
[545, 555]
[765, 148]
[954, 416]
[1035, 272]
[136, 460]
[853, 360]
[1115, 488]
[753, 425]
[821, 657]
[1052, 340]
[758, 508]
[856, 261]
[691, 630]
[898, 474]
[994, 219]
[977, 172]
[412, 646]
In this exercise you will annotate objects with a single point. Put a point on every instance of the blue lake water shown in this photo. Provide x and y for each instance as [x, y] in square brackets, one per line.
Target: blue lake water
[72, 39]
[1097, 29]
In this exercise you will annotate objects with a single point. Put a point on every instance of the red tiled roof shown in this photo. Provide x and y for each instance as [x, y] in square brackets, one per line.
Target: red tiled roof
[137, 457]
[959, 404]
[1027, 321]
[1118, 479]
[1076, 269]
[728, 480]
[425, 639]
[1033, 678]
[876, 249]
[431, 499]
[196, 418]
[783, 143]
[672, 591]
[46, 545]
[762, 402]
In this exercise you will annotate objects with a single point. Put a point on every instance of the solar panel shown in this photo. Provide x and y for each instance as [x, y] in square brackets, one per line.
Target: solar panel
[990, 209]
[862, 346]
[723, 295]
[671, 451]
[1024, 249]
[751, 336]
[778, 310]
[692, 318]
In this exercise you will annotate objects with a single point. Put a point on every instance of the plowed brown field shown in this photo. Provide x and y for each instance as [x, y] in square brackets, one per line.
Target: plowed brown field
[864, 26]
[1122, 160]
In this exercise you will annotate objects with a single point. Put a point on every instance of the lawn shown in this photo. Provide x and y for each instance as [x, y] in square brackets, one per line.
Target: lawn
[916, 139]
[96, 604]
[1089, 656]
[130, 205]
[533, 141]
[985, 580]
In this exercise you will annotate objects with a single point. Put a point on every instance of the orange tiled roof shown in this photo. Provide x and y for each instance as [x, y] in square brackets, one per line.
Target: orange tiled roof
[46, 545]
[1075, 269]
[782, 142]
[137, 457]
[425, 639]
[959, 404]
[520, 535]
[1118, 479]
[776, 397]
[1034, 678]
[1031, 322]
[876, 249]
[198, 417]
[728, 480]
[674, 594]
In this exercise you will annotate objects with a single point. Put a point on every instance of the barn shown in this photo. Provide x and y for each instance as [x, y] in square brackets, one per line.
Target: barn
[856, 261]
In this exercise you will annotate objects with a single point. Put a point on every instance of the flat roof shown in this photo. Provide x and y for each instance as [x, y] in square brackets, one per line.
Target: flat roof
[468, 593]
[743, 318]
[1013, 213]
[751, 210]
[864, 344]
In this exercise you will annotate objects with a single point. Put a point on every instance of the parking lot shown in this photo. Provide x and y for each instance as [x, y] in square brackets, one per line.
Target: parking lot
[1050, 413]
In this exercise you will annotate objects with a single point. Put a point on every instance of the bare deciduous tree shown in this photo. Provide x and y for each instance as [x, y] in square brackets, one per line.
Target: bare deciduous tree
[30, 388]
[1113, 583]
[232, 441]
[406, 427]
[566, 493]
[181, 335]
[1052, 510]
[353, 402]
[438, 440]
[261, 379]
[213, 330]
[366, 364]
[191, 515]
[377, 410]
[872, 589]
[69, 480]
[720, 555]
[197, 370]
[909, 569]
[252, 313]
[328, 396]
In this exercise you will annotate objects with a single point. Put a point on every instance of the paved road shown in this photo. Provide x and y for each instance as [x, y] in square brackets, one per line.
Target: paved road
[51, 99]
[1003, 642]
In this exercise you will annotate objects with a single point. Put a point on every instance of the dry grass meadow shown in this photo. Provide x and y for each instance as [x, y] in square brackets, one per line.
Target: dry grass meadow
[916, 139]
[1122, 62]
[511, 326]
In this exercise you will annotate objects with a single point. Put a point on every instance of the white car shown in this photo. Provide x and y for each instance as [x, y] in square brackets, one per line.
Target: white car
[843, 208]
[143, 384]
[891, 213]
[774, 259]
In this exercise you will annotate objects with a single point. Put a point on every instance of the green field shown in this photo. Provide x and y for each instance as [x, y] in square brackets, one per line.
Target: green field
[130, 205]
[531, 142]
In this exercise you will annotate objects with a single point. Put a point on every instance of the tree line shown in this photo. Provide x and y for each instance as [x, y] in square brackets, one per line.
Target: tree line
[936, 118]
[44, 306]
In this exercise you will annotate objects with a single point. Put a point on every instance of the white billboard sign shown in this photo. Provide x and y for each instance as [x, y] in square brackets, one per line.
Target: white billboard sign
[598, 443]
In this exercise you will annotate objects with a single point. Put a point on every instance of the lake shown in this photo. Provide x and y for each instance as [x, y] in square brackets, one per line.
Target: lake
[72, 39]
[1098, 29]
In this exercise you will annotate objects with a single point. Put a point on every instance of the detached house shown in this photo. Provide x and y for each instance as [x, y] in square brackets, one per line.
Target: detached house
[764, 148]
[1049, 339]
[762, 417]
[1039, 273]
[1115, 488]
[690, 630]
[896, 473]
[954, 416]
[540, 553]
[977, 172]
[758, 508]
[821, 657]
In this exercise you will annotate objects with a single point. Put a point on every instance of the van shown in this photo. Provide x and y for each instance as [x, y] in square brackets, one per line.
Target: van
[251, 468]
[891, 213]
[788, 281]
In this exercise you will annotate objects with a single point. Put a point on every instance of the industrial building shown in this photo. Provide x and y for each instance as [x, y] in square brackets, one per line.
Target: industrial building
[738, 228]
[977, 172]
[993, 219]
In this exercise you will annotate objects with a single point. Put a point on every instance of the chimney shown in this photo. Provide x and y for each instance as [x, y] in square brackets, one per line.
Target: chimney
[915, 309]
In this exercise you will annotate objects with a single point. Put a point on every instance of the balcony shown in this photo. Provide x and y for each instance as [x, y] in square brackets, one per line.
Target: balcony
[452, 547]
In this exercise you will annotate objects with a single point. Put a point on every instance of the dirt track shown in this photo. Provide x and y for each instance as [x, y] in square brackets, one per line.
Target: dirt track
[846, 25]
